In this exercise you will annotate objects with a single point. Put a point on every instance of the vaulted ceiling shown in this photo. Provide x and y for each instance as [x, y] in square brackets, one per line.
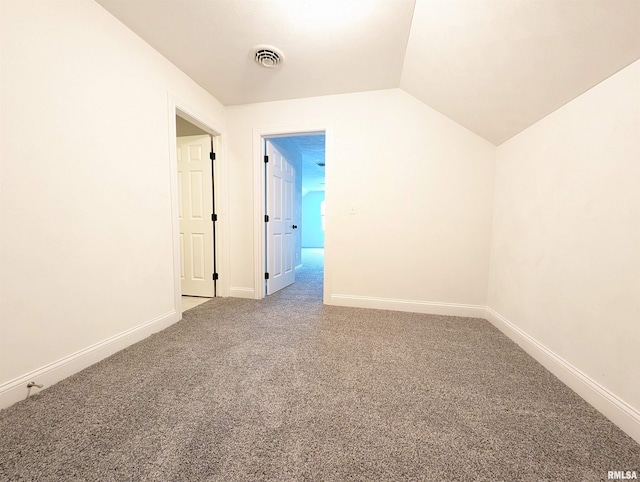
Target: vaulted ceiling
[494, 66]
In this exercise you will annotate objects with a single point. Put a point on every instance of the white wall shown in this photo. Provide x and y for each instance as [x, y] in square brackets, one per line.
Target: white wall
[87, 249]
[421, 188]
[565, 262]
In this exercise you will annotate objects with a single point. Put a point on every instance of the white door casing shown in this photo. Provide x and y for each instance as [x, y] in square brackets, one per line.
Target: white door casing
[280, 176]
[195, 206]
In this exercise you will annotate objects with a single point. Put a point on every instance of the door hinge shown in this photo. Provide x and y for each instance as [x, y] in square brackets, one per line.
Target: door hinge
[214, 217]
[266, 158]
[266, 218]
[212, 156]
[215, 276]
[266, 276]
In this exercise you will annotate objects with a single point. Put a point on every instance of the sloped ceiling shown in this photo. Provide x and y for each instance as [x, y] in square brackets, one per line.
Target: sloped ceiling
[498, 66]
[494, 66]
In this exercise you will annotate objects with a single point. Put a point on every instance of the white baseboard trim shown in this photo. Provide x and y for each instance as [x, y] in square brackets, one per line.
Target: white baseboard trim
[238, 292]
[16, 390]
[615, 409]
[431, 307]
[612, 407]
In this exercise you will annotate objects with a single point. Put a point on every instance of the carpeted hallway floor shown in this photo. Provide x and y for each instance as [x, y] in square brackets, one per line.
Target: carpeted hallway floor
[288, 389]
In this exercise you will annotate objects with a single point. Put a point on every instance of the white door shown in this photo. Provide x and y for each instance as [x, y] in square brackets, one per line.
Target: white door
[281, 178]
[195, 209]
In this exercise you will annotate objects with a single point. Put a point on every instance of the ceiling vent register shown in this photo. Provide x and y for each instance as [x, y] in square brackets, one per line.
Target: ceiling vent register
[268, 56]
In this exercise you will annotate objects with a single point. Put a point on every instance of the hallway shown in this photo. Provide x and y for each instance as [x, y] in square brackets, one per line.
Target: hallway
[309, 278]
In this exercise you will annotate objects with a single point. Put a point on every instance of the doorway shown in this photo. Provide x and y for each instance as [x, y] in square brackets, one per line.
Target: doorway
[196, 208]
[294, 193]
[197, 179]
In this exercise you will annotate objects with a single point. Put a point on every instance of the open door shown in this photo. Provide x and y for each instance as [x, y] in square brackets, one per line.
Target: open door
[195, 204]
[280, 179]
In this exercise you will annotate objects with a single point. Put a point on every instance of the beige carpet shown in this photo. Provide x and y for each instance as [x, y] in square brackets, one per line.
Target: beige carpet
[288, 389]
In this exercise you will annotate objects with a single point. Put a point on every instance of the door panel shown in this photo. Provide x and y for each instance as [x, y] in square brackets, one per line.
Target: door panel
[280, 245]
[196, 197]
[195, 208]
[197, 256]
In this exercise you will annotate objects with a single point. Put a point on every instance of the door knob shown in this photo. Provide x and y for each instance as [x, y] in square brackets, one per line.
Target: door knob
[295, 226]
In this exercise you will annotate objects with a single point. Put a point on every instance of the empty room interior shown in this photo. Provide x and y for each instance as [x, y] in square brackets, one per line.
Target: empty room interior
[411, 229]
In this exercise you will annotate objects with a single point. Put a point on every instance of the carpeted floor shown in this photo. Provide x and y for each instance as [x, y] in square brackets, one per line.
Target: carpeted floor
[288, 389]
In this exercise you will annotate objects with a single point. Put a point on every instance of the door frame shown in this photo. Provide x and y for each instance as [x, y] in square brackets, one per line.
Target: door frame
[178, 108]
[260, 135]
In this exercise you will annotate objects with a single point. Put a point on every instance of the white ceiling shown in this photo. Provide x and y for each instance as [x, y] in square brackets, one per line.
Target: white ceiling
[186, 128]
[493, 66]
[498, 66]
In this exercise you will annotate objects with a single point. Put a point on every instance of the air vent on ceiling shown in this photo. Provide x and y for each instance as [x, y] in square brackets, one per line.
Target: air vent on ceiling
[268, 56]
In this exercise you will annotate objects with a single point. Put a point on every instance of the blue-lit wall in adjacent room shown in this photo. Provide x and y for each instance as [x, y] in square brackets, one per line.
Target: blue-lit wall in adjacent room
[312, 232]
